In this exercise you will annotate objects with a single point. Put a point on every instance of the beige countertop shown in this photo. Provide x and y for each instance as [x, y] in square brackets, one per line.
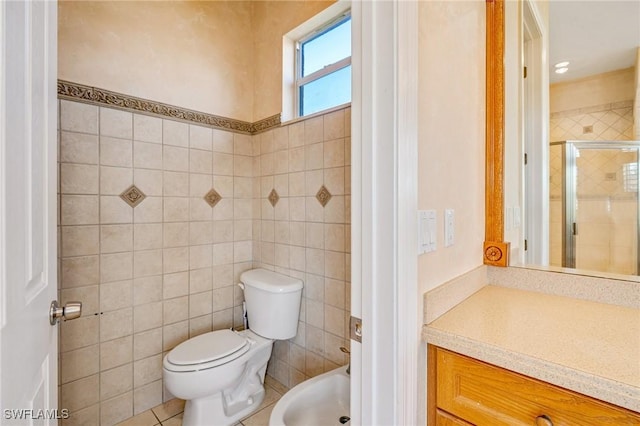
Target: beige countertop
[589, 347]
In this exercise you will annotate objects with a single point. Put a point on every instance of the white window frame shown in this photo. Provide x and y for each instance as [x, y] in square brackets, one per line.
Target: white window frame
[326, 70]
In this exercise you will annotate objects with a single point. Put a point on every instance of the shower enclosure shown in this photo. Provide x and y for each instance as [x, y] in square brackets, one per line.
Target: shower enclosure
[593, 205]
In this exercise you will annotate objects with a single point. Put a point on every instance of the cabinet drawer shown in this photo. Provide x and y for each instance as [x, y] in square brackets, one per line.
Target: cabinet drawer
[487, 395]
[445, 419]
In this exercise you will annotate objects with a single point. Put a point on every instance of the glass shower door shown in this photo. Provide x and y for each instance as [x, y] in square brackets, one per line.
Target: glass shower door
[601, 212]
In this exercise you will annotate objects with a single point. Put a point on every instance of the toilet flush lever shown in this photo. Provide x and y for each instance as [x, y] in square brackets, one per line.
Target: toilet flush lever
[71, 310]
[241, 286]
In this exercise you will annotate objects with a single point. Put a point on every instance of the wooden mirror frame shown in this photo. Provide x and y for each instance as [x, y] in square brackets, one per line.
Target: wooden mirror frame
[496, 250]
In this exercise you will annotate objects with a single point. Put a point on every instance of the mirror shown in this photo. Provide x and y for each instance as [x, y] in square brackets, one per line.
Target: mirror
[563, 230]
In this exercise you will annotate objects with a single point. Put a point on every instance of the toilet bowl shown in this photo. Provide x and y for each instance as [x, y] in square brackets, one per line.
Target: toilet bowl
[221, 374]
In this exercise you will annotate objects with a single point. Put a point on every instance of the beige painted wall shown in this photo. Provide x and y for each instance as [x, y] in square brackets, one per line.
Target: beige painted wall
[451, 133]
[272, 20]
[610, 87]
[218, 57]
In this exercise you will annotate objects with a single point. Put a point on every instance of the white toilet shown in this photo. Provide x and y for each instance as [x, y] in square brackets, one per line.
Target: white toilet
[221, 374]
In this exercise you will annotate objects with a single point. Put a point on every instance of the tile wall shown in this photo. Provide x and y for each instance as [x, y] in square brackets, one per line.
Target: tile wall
[302, 238]
[607, 204]
[153, 275]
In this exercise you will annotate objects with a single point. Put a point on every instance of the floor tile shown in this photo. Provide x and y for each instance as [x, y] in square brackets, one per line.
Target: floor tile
[173, 421]
[168, 409]
[146, 418]
[261, 418]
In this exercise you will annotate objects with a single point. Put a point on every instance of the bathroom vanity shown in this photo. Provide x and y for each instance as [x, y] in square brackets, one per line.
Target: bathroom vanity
[507, 356]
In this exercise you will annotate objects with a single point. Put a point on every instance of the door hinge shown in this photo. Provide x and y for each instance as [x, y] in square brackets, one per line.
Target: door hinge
[525, 245]
[355, 327]
[525, 158]
[524, 73]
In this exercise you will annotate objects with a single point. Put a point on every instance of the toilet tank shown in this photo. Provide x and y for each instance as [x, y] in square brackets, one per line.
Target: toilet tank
[272, 302]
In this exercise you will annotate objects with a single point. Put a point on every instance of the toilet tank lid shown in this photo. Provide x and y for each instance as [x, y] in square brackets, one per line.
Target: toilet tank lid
[270, 281]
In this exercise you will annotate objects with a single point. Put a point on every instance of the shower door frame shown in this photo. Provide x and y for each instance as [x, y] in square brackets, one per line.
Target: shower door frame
[569, 188]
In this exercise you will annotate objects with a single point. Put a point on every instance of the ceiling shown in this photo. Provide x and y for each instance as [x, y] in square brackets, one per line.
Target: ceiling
[594, 36]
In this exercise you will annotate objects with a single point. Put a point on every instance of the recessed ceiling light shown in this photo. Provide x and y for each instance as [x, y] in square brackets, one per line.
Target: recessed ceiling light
[562, 70]
[561, 64]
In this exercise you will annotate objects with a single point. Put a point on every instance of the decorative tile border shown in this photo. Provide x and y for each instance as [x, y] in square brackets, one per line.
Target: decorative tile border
[94, 95]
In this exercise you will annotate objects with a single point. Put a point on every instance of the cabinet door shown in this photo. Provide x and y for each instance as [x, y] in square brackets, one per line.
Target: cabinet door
[483, 394]
[446, 419]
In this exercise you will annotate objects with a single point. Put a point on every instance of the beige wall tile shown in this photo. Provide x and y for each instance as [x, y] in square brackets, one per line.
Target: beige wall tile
[147, 370]
[115, 180]
[147, 317]
[200, 161]
[222, 141]
[200, 304]
[175, 133]
[314, 235]
[116, 352]
[115, 410]
[80, 271]
[78, 210]
[175, 260]
[334, 293]
[334, 237]
[313, 130]
[116, 324]
[334, 180]
[115, 210]
[175, 310]
[147, 129]
[223, 319]
[174, 334]
[176, 209]
[116, 238]
[200, 232]
[147, 263]
[334, 125]
[149, 211]
[200, 184]
[222, 253]
[78, 148]
[78, 117]
[222, 164]
[79, 363]
[147, 290]
[200, 256]
[335, 210]
[176, 234]
[80, 240]
[147, 155]
[116, 123]
[116, 152]
[222, 298]
[78, 179]
[296, 134]
[80, 393]
[116, 295]
[242, 144]
[116, 267]
[146, 397]
[147, 343]
[200, 210]
[89, 416]
[176, 184]
[200, 325]
[200, 280]
[243, 187]
[281, 185]
[200, 137]
[175, 285]
[314, 155]
[175, 159]
[149, 182]
[147, 236]
[89, 296]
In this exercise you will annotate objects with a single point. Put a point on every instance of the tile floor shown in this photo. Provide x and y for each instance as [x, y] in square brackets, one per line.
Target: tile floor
[170, 413]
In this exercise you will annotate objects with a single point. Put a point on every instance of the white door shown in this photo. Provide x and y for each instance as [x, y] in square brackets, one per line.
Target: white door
[28, 183]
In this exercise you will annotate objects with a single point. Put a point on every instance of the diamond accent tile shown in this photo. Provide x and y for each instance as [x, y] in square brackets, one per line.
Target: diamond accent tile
[273, 197]
[323, 196]
[133, 196]
[212, 197]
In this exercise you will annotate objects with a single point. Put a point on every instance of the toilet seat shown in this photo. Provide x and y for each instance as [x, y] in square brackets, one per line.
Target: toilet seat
[207, 351]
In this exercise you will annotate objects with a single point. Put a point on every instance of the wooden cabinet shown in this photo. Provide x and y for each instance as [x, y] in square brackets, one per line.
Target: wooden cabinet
[465, 391]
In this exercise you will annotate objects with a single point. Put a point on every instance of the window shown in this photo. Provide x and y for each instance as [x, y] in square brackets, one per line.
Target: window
[323, 67]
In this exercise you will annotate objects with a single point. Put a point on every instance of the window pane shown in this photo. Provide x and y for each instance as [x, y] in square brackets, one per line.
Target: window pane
[326, 92]
[327, 48]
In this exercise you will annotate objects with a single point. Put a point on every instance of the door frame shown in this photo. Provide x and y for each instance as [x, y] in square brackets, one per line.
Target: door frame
[384, 290]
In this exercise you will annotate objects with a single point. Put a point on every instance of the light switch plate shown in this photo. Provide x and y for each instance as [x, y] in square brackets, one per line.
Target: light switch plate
[449, 227]
[427, 233]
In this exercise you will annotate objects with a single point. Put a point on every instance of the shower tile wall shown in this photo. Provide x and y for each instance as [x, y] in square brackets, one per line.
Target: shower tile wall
[301, 238]
[606, 206]
[149, 276]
